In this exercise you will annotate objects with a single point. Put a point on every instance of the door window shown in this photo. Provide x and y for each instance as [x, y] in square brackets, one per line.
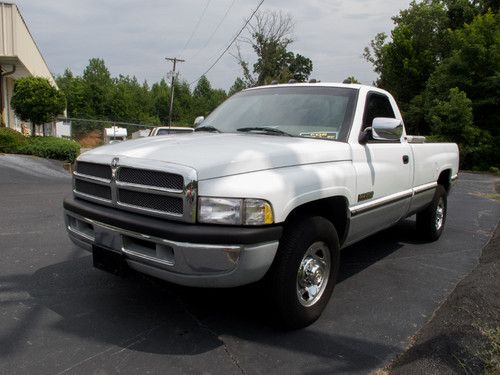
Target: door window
[377, 105]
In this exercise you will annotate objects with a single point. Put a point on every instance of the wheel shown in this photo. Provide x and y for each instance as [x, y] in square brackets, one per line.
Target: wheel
[303, 274]
[430, 221]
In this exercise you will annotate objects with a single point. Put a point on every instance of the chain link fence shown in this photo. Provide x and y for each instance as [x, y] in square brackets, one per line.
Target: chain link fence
[90, 133]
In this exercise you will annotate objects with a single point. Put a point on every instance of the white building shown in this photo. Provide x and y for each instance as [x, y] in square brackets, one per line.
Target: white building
[19, 57]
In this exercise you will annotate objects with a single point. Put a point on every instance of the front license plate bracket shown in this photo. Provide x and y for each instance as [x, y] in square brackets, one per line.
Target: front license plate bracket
[109, 260]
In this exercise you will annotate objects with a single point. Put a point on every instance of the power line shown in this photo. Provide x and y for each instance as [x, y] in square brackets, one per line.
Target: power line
[196, 26]
[215, 30]
[230, 44]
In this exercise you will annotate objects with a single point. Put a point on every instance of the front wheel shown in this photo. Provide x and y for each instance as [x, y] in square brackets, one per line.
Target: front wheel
[430, 221]
[303, 275]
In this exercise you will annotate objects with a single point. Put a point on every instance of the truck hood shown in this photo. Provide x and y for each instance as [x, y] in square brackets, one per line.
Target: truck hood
[216, 155]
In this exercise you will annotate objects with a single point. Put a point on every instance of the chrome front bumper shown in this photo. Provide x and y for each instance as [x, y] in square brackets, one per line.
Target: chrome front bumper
[184, 263]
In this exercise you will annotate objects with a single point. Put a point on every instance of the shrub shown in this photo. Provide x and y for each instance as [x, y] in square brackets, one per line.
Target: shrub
[51, 148]
[11, 140]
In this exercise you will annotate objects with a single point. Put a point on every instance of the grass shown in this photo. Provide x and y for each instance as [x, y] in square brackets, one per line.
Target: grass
[491, 356]
[492, 196]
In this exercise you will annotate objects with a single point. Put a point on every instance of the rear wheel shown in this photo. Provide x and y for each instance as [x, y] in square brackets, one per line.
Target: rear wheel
[304, 271]
[430, 221]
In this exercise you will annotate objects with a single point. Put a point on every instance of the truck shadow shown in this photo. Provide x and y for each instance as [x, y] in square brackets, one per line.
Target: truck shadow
[361, 255]
[148, 315]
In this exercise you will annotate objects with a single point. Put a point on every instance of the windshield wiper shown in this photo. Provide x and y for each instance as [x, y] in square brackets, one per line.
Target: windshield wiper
[264, 129]
[208, 128]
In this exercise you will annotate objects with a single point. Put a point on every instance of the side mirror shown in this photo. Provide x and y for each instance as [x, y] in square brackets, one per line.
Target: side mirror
[198, 120]
[386, 129]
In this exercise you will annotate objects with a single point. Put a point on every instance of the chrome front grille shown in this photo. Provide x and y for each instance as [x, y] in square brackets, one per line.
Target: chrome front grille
[92, 169]
[92, 189]
[154, 202]
[151, 178]
[170, 194]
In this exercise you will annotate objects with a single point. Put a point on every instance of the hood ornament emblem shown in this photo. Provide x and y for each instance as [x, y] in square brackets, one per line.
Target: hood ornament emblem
[114, 167]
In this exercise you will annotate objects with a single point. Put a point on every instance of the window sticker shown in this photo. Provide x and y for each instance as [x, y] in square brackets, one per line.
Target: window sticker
[323, 135]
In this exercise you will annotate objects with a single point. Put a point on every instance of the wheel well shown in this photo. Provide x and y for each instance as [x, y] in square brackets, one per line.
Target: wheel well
[445, 179]
[334, 209]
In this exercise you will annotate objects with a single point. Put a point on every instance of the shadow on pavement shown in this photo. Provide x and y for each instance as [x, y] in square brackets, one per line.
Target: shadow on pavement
[149, 315]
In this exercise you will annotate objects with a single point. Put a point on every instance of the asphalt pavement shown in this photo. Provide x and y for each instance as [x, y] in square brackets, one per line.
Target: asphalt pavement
[59, 315]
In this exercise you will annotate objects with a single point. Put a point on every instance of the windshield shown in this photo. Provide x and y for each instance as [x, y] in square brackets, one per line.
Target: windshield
[173, 131]
[315, 112]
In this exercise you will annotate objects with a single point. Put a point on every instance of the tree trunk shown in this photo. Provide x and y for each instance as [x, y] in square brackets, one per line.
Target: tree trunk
[33, 130]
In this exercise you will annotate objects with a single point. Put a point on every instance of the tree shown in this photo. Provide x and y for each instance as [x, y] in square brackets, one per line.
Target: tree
[184, 110]
[451, 119]
[270, 36]
[351, 79]
[98, 95]
[419, 41]
[473, 67]
[437, 46]
[201, 96]
[98, 85]
[237, 86]
[74, 89]
[161, 99]
[206, 99]
[37, 101]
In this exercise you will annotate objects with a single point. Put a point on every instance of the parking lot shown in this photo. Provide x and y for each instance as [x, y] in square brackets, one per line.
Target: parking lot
[59, 315]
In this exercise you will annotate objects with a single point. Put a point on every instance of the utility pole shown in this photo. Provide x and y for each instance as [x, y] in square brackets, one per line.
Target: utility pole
[174, 60]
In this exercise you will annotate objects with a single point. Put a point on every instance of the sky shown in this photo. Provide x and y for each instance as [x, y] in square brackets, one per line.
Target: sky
[134, 37]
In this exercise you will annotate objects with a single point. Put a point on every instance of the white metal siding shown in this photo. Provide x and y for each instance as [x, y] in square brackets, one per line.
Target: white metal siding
[17, 42]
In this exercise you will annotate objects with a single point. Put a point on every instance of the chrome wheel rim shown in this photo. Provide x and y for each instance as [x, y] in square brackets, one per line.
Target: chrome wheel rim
[439, 214]
[313, 274]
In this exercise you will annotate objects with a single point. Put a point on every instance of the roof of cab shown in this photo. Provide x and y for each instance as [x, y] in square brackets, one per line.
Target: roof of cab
[355, 86]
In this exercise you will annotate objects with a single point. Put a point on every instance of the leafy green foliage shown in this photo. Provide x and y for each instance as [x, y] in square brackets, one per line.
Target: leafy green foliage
[206, 99]
[442, 64]
[97, 95]
[51, 147]
[351, 79]
[75, 90]
[160, 93]
[419, 41]
[14, 142]
[237, 86]
[473, 67]
[269, 39]
[36, 100]
[10, 140]
[452, 120]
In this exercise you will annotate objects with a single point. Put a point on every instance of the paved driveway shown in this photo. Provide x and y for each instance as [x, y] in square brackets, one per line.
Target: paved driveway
[59, 315]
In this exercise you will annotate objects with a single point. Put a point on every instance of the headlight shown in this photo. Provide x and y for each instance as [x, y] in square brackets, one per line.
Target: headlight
[231, 211]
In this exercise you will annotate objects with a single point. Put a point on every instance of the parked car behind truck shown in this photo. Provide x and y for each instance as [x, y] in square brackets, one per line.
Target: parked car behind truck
[166, 130]
[270, 187]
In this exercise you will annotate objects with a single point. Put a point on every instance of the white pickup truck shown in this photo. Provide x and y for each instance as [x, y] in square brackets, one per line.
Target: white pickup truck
[269, 187]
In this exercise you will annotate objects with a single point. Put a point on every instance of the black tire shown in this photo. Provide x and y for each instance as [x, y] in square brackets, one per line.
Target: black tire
[429, 224]
[315, 234]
